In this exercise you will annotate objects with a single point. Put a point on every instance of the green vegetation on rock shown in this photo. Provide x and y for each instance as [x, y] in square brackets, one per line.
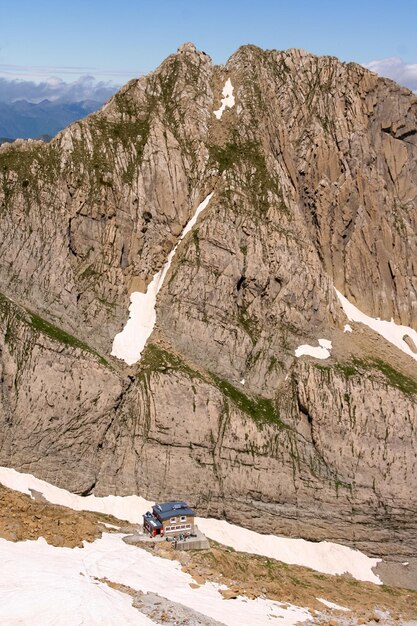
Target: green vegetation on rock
[248, 159]
[259, 409]
[156, 359]
[395, 378]
[35, 165]
[9, 311]
[57, 334]
[357, 367]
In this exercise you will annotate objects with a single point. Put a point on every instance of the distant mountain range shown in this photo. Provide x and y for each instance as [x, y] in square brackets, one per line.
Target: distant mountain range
[23, 119]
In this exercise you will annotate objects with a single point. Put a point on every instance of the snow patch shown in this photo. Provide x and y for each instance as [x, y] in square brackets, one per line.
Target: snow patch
[322, 351]
[130, 342]
[326, 557]
[392, 332]
[347, 328]
[228, 99]
[332, 605]
[242, 382]
[41, 584]
[110, 526]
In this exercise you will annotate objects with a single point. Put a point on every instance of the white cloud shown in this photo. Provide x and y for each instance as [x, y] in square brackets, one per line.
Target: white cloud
[85, 87]
[394, 67]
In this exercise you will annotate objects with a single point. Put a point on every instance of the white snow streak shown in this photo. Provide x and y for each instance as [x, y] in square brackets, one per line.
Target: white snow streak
[41, 584]
[129, 343]
[228, 99]
[322, 351]
[332, 605]
[326, 557]
[392, 332]
[347, 328]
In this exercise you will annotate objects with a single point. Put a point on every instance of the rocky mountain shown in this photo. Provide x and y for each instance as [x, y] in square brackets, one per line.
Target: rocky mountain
[312, 168]
[30, 120]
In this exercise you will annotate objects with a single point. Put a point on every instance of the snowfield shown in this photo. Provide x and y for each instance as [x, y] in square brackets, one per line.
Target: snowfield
[130, 342]
[43, 585]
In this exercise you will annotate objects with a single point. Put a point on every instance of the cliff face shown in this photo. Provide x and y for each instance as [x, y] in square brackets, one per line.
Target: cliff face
[314, 180]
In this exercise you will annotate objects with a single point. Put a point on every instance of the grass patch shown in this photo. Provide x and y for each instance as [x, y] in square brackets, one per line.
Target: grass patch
[357, 367]
[156, 359]
[347, 369]
[57, 334]
[396, 379]
[89, 272]
[259, 409]
[225, 157]
[10, 310]
[131, 133]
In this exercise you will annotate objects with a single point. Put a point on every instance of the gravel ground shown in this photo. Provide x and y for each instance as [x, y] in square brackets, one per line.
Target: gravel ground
[398, 574]
[163, 611]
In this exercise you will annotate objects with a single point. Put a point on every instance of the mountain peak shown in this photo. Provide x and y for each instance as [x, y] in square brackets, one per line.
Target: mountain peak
[188, 46]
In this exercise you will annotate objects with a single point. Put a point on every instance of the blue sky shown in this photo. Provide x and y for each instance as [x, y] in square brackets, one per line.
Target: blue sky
[114, 40]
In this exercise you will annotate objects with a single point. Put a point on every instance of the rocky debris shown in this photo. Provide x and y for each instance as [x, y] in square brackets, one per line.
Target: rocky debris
[164, 611]
[398, 573]
[315, 183]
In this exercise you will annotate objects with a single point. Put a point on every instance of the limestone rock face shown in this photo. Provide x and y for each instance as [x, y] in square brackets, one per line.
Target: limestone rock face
[314, 178]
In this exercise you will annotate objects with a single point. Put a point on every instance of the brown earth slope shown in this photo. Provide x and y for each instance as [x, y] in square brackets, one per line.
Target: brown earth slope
[25, 519]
